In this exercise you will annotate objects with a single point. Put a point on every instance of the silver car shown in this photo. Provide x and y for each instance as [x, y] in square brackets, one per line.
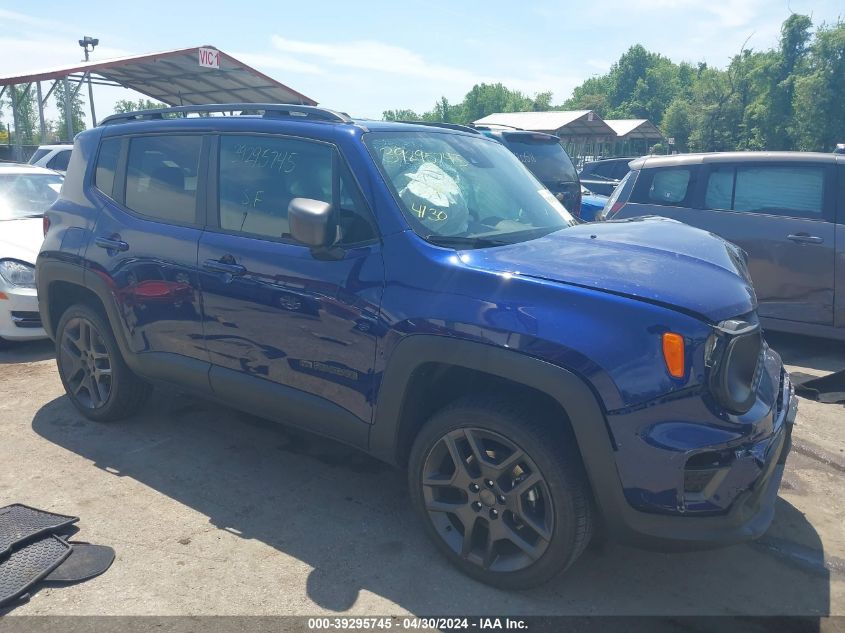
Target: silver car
[785, 209]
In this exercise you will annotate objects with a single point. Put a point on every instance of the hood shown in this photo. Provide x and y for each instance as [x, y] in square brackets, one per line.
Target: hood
[21, 239]
[658, 260]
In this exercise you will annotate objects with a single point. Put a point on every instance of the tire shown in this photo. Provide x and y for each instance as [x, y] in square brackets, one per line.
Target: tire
[538, 529]
[85, 352]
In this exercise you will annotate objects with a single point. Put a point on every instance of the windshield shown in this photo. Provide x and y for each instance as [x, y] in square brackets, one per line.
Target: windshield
[38, 155]
[543, 156]
[462, 191]
[27, 195]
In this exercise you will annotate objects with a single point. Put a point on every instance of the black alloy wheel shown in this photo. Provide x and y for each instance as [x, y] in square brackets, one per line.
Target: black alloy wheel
[488, 500]
[93, 372]
[85, 363]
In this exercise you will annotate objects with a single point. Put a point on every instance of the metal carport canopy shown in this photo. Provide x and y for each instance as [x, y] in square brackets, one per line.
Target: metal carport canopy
[178, 78]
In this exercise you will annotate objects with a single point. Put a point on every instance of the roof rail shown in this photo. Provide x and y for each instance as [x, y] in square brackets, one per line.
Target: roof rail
[450, 126]
[270, 110]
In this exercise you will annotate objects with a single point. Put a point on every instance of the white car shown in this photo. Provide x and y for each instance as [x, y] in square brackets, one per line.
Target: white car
[25, 193]
[55, 157]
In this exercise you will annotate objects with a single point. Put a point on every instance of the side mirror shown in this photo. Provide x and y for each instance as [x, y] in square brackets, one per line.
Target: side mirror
[309, 221]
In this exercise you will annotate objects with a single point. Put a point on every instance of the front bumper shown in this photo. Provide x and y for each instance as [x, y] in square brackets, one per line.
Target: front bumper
[749, 487]
[19, 316]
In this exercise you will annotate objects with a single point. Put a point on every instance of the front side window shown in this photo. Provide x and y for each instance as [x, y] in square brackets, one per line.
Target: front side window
[259, 176]
[462, 190]
[669, 186]
[161, 177]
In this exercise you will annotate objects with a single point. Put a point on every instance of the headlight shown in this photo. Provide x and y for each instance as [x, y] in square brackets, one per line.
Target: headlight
[17, 273]
[732, 357]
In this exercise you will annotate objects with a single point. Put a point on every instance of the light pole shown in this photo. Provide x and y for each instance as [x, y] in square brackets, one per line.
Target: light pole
[85, 42]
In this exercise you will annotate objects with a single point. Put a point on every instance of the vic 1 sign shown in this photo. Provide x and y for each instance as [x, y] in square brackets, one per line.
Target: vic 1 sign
[209, 58]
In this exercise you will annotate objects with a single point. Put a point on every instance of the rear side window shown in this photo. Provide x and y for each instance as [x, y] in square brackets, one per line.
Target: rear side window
[259, 176]
[106, 166]
[161, 177]
[770, 189]
[59, 161]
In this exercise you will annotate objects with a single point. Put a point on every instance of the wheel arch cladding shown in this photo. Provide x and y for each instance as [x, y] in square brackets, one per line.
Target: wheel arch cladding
[390, 437]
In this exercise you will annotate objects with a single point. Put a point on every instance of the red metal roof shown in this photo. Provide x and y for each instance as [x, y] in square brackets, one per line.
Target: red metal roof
[176, 78]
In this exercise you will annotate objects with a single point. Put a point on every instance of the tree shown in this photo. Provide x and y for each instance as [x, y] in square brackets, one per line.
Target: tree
[77, 116]
[819, 121]
[677, 123]
[400, 115]
[788, 97]
[27, 113]
[127, 105]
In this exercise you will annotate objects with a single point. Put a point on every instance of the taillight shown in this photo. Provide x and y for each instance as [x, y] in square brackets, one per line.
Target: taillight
[615, 208]
[45, 225]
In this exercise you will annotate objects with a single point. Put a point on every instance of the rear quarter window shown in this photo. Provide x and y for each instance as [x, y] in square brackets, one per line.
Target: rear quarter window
[670, 186]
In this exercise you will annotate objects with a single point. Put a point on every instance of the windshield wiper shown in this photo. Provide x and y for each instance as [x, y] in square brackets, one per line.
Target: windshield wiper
[463, 241]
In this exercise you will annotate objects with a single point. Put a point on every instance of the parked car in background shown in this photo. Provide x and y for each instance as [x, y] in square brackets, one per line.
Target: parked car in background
[25, 194]
[602, 176]
[55, 157]
[839, 149]
[546, 158]
[415, 292]
[785, 209]
[591, 204]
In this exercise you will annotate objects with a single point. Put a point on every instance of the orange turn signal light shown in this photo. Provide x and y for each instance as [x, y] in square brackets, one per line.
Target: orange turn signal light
[3, 295]
[673, 354]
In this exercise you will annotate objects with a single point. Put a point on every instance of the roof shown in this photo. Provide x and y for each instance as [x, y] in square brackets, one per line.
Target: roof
[561, 122]
[177, 77]
[734, 157]
[634, 128]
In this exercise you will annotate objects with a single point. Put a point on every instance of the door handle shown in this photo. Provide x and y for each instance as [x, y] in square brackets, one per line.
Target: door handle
[112, 244]
[214, 265]
[804, 238]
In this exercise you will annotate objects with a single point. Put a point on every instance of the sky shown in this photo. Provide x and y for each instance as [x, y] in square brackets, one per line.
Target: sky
[367, 57]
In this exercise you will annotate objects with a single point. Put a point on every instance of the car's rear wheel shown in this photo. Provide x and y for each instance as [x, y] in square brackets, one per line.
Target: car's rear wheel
[501, 491]
[92, 370]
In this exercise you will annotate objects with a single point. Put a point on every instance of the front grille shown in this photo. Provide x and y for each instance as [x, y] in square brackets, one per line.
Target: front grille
[26, 319]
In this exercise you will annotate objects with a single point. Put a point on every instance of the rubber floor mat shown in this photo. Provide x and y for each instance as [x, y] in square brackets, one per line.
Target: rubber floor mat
[19, 523]
[85, 561]
[26, 566]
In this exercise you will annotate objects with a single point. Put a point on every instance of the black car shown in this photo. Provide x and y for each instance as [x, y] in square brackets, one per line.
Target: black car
[602, 176]
[546, 159]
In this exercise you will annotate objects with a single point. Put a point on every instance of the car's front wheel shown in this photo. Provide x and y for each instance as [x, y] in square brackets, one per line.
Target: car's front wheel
[93, 372]
[501, 491]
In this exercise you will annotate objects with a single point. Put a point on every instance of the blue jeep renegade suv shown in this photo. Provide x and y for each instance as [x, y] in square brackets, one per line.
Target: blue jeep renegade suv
[415, 292]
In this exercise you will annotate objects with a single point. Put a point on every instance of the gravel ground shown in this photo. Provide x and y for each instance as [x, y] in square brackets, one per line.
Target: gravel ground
[215, 512]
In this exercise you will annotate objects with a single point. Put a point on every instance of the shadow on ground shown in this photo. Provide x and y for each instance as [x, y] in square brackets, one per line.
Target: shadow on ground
[28, 352]
[823, 355]
[347, 516]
